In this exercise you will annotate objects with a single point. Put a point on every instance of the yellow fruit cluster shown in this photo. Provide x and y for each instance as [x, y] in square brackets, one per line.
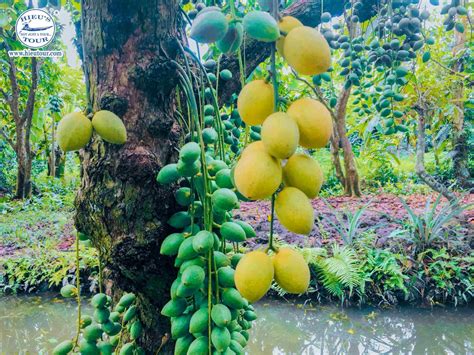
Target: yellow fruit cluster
[75, 129]
[259, 172]
[307, 122]
[256, 271]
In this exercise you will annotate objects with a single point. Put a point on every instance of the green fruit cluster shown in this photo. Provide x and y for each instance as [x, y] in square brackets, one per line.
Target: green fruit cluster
[105, 333]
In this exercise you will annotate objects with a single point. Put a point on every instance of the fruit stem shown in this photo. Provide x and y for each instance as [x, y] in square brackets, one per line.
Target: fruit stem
[272, 218]
[78, 288]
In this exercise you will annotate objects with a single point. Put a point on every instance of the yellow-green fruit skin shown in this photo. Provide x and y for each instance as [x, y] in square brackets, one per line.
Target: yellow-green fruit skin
[255, 102]
[286, 24]
[304, 173]
[291, 271]
[74, 131]
[307, 51]
[254, 275]
[280, 135]
[257, 175]
[314, 122]
[294, 210]
[110, 127]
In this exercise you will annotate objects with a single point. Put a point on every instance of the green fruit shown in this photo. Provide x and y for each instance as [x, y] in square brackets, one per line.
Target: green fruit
[168, 174]
[208, 110]
[190, 152]
[188, 170]
[199, 346]
[63, 348]
[225, 74]
[193, 276]
[184, 291]
[239, 338]
[261, 26]
[180, 326]
[182, 345]
[250, 316]
[101, 315]
[236, 347]
[186, 250]
[130, 314]
[401, 72]
[209, 135]
[111, 328]
[426, 57]
[136, 330]
[233, 232]
[92, 332]
[235, 259]
[110, 127]
[85, 321]
[74, 131]
[171, 244]
[199, 319]
[220, 259]
[114, 340]
[126, 300]
[174, 308]
[224, 199]
[88, 348]
[248, 229]
[220, 338]
[223, 179]
[105, 348]
[127, 349]
[180, 220]
[209, 27]
[220, 315]
[215, 166]
[225, 275]
[201, 262]
[232, 39]
[233, 299]
[99, 300]
[184, 196]
[68, 291]
[203, 242]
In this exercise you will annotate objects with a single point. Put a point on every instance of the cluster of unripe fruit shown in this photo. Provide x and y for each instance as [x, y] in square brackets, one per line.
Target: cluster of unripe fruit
[75, 129]
[104, 333]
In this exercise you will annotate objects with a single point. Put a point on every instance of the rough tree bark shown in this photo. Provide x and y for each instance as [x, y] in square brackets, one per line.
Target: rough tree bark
[460, 145]
[22, 117]
[127, 50]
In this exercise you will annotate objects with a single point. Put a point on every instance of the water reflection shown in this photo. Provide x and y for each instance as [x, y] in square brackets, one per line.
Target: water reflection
[35, 324]
[293, 329]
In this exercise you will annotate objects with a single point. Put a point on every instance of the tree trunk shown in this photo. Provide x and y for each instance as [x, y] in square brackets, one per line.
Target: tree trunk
[52, 154]
[351, 178]
[420, 159]
[460, 145]
[23, 158]
[127, 51]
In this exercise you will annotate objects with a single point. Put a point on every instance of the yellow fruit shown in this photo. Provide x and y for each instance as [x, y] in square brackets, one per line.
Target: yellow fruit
[110, 127]
[280, 135]
[307, 51]
[74, 131]
[253, 275]
[314, 122]
[286, 24]
[253, 147]
[291, 271]
[294, 210]
[304, 173]
[257, 175]
[255, 102]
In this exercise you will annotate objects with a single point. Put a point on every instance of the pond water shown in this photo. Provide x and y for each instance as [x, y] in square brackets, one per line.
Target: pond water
[34, 324]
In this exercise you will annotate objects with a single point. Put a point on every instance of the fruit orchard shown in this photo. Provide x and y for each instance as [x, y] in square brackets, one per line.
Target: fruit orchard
[192, 111]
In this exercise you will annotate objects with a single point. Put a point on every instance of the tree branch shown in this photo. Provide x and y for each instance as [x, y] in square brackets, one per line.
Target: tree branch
[14, 101]
[30, 103]
[8, 139]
